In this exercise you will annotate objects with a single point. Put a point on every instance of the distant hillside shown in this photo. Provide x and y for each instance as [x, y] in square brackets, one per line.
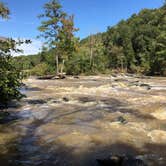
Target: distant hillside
[134, 45]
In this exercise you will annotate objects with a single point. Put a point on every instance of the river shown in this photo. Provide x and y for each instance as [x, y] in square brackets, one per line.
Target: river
[73, 122]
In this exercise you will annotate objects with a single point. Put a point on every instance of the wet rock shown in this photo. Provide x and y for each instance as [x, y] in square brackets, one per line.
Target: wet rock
[146, 86]
[143, 77]
[32, 89]
[112, 161]
[76, 77]
[3, 116]
[55, 101]
[133, 162]
[130, 75]
[134, 83]
[65, 99]
[86, 99]
[142, 85]
[121, 80]
[152, 159]
[121, 161]
[114, 75]
[12, 104]
[122, 120]
[59, 76]
[38, 101]
[6, 117]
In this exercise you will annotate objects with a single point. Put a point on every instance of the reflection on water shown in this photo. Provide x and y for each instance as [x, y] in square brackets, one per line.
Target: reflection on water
[76, 121]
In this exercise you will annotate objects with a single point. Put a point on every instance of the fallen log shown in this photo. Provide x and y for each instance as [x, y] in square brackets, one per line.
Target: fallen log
[46, 77]
[52, 77]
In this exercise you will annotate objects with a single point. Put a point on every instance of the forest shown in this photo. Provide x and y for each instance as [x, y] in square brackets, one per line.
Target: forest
[135, 45]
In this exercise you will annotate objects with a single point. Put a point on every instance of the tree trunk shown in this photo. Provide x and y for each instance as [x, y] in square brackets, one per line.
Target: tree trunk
[57, 65]
[122, 67]
[62, 67]
[91, 57]
[91, 51]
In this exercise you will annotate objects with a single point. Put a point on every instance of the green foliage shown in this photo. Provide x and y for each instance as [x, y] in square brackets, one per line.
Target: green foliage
[58, 30]
[40, 69]
[9, 85]
[52, 21]
[4, 11]
[10, 77]
[137, 45]
[78, 63]
[140, 42]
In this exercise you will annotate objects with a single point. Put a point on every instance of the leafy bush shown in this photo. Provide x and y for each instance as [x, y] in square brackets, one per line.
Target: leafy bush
[10, 77]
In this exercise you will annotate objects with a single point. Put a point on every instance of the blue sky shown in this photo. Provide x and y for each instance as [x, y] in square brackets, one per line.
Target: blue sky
[91, 16]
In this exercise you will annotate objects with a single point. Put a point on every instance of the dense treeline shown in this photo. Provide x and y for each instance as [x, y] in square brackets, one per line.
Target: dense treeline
[137, 45]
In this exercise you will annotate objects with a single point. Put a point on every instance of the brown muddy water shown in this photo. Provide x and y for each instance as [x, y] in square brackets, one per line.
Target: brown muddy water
[73, 122]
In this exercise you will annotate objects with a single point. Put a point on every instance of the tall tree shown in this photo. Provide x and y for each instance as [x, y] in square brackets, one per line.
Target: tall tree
[58, 29]
[67, 42]
[50, 26]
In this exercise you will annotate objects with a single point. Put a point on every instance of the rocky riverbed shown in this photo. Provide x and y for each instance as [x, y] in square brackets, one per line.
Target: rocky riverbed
[73, 122]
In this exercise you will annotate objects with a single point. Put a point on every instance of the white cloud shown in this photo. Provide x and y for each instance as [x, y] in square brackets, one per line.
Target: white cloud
[30, 49]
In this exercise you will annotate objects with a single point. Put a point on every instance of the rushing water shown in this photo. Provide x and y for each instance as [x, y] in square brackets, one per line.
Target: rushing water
[76, 121]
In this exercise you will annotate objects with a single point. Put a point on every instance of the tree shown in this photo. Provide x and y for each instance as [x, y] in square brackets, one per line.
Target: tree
[10, 77]
[67, 42]
[4, 11]
[58, 29]
[164, 2]
[50, 26]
